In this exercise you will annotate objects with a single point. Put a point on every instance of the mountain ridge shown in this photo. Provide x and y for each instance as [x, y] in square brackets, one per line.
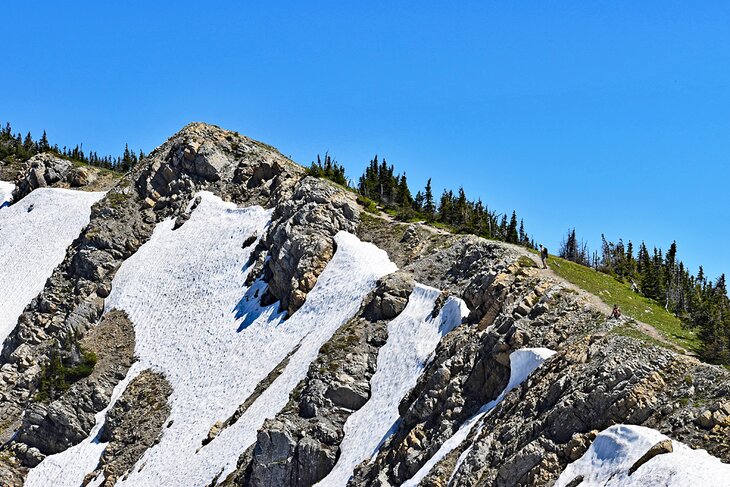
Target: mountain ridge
[597, 377]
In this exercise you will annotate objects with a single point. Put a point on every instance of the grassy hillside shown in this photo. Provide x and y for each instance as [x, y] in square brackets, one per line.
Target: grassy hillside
[611, 292]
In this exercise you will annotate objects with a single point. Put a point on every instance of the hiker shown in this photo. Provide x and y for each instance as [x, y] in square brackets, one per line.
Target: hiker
[543, 256]
[616, 313]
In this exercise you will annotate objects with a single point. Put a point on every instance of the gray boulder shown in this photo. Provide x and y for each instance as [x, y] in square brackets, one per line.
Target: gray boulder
[41, 170]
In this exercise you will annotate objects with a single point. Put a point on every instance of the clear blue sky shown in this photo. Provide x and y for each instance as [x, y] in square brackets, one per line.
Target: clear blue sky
[611, 117]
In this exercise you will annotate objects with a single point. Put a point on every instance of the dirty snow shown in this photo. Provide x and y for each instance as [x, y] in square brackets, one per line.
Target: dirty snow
[412, 338]
[197, 323]
[616, 449]
[522, 363]
[34, 235]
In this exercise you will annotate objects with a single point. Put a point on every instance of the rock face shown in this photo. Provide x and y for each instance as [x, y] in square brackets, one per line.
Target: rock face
[81, 176]
[133, 424]
[300, 445]
[42, 170]
[597, 378]
[53, 427]
[301, 242]
[599, 381]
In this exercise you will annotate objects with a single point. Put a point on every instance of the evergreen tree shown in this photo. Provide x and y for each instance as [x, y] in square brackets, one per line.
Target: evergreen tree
[43, 144]
[512, 235]
[405, 200]
[429, 207]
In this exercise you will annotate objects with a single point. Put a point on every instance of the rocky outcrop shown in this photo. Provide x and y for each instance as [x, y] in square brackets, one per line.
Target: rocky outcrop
[596, 382]
[133, 424]
[300, 242]
[662, 447]
[52, 427]
[41, 170]
[230, 165]
[301, 444]
[81, 176]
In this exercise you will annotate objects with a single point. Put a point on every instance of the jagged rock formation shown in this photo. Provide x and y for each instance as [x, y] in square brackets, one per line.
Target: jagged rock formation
[42, 170]
[300, 446]
[597, 378]
[134, 423]
[50, 170]
[52, 427]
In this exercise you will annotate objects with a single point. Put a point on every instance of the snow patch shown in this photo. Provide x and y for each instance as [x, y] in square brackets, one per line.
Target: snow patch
[6, 192]
[616, 449]
[198, 324]
[412, 338]
[522, 363]
[34, 235]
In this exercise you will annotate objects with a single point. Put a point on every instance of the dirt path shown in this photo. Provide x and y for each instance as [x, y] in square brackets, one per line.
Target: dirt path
[604, 308]
[590, 298]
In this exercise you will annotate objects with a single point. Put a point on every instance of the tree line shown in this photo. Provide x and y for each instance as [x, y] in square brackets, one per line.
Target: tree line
[380, 184]
[23, 148]
[701, 303]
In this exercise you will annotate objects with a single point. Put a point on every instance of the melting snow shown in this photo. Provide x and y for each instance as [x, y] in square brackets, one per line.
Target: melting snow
[197, 323]
[616, 449]
[6, 192]
[522, 363]
[34, 235]
[412, 337]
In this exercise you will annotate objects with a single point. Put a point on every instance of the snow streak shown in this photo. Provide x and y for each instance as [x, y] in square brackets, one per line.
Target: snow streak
[412, 338]
[6, 192]
[522, 363]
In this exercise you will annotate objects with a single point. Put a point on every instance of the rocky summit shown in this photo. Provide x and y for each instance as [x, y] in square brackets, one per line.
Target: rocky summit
[217, 316]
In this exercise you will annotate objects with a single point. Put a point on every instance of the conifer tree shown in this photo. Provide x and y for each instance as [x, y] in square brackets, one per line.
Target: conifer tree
[429, 207]
[512, 235]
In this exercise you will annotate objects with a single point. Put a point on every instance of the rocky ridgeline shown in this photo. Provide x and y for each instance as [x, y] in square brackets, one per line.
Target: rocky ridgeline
[50, 170]
[44, 420]
[599, 377]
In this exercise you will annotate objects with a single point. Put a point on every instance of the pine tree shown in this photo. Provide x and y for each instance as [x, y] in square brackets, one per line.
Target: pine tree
[512, 235]
[522, 235]
[418, 202]
[43, 144]
[429, 207]
[405, 200]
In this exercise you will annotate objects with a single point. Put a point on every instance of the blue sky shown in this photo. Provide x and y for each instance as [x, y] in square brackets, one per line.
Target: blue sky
[612, 117]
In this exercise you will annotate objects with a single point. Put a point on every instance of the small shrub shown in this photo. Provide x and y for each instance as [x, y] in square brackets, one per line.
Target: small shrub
[56, 377]
[525, 261]
[368, 204]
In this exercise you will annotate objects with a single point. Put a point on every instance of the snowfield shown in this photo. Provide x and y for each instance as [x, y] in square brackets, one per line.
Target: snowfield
[412, 338]
[197, 323]
[523, 362]
[6, 192]
[34, 235]
[616, 449]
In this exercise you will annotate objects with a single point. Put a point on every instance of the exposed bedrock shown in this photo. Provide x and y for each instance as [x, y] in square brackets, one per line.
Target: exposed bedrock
[594, 383]
[300, 241]
[301, 444]
[41, 170]
[49, 428]
[133, 424]
[511, 308]
[50, 170]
